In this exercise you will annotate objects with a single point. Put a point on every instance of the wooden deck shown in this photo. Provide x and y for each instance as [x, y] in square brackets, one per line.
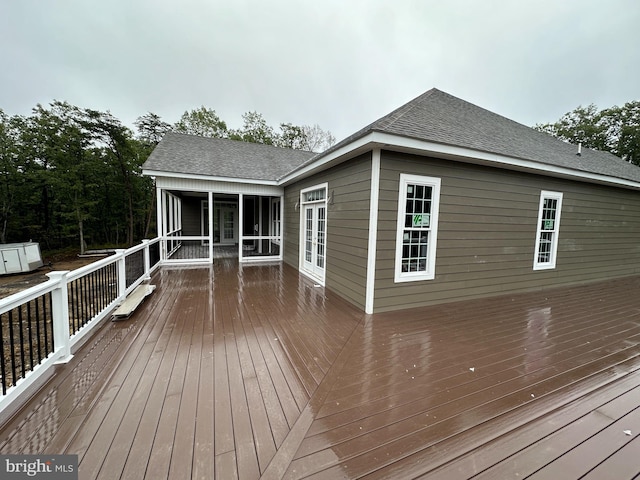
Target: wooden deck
[254, 372]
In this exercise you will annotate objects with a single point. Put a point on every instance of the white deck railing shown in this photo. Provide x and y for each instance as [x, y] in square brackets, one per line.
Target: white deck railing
[40, 326]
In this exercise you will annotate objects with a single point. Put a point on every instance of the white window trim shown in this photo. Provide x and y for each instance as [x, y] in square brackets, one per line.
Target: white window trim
[301, 240]
[430, 272]
[551, 264]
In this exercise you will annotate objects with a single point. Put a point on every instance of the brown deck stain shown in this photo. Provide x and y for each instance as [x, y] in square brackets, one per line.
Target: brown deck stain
[251, 371]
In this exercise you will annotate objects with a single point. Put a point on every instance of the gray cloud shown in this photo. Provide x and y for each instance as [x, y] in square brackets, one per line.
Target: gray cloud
[339, 64]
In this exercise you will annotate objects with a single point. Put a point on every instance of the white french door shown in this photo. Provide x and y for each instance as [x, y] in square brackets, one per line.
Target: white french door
[229, 226]
[315, 222]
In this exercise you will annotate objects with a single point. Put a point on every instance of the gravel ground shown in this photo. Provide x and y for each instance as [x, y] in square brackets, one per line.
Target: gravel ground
[10, 284]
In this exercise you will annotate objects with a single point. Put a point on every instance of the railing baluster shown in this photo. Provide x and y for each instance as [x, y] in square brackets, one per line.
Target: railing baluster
[38, 338]
[22, 368]
[30, 324]
[3, 366]
[44, 325]
[102, 288]
[12, 348]
[77, 300]
[94, 306]
[59, 310]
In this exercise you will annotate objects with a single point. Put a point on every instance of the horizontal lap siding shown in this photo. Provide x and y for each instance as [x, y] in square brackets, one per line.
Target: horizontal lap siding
[487, 229]
[191, 216]
[347, 226]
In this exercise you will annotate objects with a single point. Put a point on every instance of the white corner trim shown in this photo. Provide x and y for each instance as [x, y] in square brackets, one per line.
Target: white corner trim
[373, 230]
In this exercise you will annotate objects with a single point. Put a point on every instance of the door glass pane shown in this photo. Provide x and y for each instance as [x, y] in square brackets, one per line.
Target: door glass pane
[308, 243]
[321, 238]
[228, 225]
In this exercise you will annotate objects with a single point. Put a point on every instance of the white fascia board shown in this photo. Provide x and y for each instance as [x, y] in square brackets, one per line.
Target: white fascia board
[387, 141]
[392, 142]
[352, 149]
[210, 178]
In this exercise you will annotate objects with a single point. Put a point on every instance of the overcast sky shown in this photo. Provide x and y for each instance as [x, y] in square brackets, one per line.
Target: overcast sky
[338, 63]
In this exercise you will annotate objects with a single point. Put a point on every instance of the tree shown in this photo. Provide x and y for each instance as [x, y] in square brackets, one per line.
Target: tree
[318, 140]
[308, 138]
[10, 171]
[292, 136]
[202, 121]
[615, 129]
[55, 154]
[71, 175]
[151, 128]
[116, 140]
[254, 130]
[623, 128]
[582, 125]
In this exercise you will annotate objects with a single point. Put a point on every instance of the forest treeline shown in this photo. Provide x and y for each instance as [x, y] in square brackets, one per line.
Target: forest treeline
[72, 177]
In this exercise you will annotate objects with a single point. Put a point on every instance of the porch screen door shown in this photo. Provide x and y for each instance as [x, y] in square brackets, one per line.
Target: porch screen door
[315, 220]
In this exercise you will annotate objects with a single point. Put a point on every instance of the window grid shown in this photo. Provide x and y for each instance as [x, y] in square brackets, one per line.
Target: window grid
[418, 199]
[548, 224]
[415, 236]
[315, 195]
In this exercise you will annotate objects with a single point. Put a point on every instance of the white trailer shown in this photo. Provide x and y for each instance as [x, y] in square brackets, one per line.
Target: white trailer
[19, 257]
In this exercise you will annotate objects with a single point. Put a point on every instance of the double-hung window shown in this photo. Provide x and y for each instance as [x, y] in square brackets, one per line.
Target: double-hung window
[417, 230]
[547, 231]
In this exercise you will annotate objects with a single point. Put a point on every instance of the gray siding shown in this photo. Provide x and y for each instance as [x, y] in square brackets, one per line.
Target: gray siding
[347, 226]
[487, 229]
[191, 215]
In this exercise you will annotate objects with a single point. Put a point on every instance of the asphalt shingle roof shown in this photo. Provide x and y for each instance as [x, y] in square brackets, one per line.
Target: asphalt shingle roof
[217, 157]
[434, 116]
[438, 117]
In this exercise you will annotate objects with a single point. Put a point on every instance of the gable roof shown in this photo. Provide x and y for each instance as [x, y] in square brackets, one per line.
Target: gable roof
[218, 157]
[443, 119]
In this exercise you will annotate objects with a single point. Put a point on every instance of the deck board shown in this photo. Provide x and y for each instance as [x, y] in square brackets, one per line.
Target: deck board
[254, 372]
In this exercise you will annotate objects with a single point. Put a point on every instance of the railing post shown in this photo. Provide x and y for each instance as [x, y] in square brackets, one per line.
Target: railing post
[122, 272]
[147, 258]
[60, 316]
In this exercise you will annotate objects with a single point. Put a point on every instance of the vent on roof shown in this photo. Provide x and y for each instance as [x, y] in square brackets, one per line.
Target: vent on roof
[579, 149]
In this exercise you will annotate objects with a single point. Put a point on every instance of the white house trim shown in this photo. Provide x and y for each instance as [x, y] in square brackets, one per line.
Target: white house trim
[209, 178]
[429, 272]
[354, 148]
[203, 186]
[555, 231]
[320, 279]
[373, 230]
[421, 147]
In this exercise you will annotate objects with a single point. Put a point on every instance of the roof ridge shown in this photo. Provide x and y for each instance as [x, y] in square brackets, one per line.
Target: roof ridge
[399, 112]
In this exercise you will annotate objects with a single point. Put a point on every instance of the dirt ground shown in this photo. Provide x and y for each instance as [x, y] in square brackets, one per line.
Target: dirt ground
[10, 284]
